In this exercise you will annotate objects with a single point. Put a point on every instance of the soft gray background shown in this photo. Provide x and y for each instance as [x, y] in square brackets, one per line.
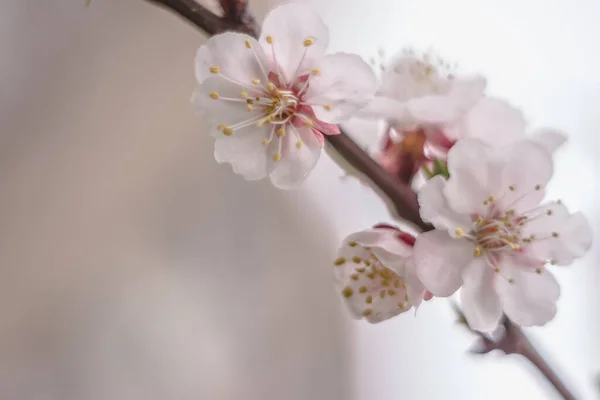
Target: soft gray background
[134, 267]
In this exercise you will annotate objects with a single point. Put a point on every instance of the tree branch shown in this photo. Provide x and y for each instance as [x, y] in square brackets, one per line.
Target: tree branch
[238, 18]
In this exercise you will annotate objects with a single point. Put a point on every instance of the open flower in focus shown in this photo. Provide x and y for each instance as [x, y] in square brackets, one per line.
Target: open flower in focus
[271, 101]
[492, 236]
[375, 274]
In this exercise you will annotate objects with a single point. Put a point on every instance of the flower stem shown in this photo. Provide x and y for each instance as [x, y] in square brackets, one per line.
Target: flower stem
[238, 18]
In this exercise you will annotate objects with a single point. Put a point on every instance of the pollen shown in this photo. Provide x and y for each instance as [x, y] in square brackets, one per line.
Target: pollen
[496, 269]
[553, 262]
[299, 144]
[369, 299]
[352, 244]
[315, 71]
[491, 199]
[308, 123]
[357, 259]
[511, 188]
[248, 44]
[347, 292]
[308, 42]
[511, 281]
[401, 306]
[256, 81]
[265, 142]
[244, 94]
[396, 283]
[354, 277]
[276, 156]
[485, 203]
[538, 271]
[382, 293]
[271, 86]
[405, 297]
[391, 292]
[281, 132]
[362, 289]
[227, 131]
[371, 275]
[479, 220]
[360, 270]
[459, 232]
[367, 312]
[538, 187]
[555, 234]
[549, 212]
[220, 127]
[214, 95]
[327, 107]
[339, 261]
[269, 39]
[477, 252]
[214, 69]
[385, 283]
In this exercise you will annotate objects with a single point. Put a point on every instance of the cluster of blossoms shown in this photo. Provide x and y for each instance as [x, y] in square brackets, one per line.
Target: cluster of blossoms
[271, 101]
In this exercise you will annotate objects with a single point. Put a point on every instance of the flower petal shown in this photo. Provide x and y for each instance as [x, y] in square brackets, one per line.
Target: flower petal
[384, 107]
[245, 152]
[529, 298]
[494, 121]
[550, 139]
[478, 298]
[345, 83]
[288, 26]
[299, 154]
[217, 110]
[230, 54]
[440, 261]
[414, 287]
[434, 208]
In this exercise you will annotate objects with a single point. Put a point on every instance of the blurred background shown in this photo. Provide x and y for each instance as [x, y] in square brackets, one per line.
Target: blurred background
[133, 266]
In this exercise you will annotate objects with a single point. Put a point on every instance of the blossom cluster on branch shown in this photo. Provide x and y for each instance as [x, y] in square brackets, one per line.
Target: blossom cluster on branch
[480, 176]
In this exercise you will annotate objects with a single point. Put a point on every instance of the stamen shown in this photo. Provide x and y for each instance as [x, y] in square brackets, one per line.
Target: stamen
[227, 131]
[299, 144]
[214, 95]
[315, 71]
[339, 261]
[214, 69]
[308, 42]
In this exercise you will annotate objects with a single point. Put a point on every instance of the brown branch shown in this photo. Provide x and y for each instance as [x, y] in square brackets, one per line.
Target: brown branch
[238, 18]
[512, 340]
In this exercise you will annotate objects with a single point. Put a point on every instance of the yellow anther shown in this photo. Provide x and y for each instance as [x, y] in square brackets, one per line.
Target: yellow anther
[514, 246]
[459, 232]
[299, 144]
[347, 292]
[308, 123]
[265, 142]
[269, 39]
[227, 131]
[491, 199]
[511, 281]
[401, 306]
[352, 244]
[362, 289]
[553, 261]
[479, 220]
[367, 312]
[220, 127]
[315, 71]
[511, 188]
[477, 252]
[248, 44]
[244, 94]
[271, 86]
[385, 283]
[538, 271]
[327, 107]
[405, 297]
[497, 269]
[339, 261]
[403, 285]
[382, 293]
[214, 69]
[281, 132]
[308, 42]
[532, 236]
[485, 203]
[391, 292]
[354, 277]
[276, 156]
[555, 234]
[367, 263]
[396, 283]
[538, 187]
[549, 212]
[256, 81]
[371, 275]
[357, 259]
[214, 95]
[369, 299]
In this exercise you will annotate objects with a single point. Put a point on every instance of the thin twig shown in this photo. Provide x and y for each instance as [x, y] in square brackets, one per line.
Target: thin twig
[238, 18]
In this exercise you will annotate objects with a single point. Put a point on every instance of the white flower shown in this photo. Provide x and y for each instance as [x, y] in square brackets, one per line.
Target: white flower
[270, 101]
[493, 238]
[375, 274]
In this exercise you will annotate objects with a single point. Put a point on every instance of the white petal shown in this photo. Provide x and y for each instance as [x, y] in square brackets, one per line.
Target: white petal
[295, 163]
[479, 300]
[289, 26]
[384, 107]
[494, 121]
[228, 52]
[530, 299]
[383, 242]
[573, 241]
[434, 208]
[550, 139]
[245, 152]
[220, 111]
[345, 83]
[414, 287]
[440, 261]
